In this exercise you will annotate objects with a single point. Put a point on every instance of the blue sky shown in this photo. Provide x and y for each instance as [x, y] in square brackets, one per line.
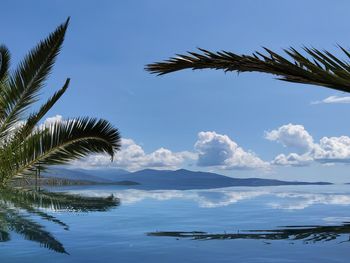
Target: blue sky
[109, 43]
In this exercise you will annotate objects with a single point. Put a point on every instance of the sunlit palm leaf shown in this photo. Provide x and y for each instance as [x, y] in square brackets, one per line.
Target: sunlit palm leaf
[64, 141]
[318, 68]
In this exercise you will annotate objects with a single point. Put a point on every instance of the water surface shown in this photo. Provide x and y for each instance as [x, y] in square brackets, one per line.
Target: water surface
[248, 224]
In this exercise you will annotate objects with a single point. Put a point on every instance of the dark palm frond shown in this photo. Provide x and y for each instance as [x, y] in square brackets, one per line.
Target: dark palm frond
[320, 68]
[24, 144]
[25, 83]
[4, 62]
[34, 118]
[62, 142]
[4, 234]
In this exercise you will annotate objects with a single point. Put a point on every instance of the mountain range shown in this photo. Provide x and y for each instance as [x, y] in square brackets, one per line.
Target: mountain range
[163, 179]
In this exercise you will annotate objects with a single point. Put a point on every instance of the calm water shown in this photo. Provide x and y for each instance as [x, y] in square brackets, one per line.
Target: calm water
[158, 226]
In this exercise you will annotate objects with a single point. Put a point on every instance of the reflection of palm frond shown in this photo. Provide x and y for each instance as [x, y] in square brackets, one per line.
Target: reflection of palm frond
[16, 205]
[305, 233]
[29, 229]
[58, 201]
[320, 68]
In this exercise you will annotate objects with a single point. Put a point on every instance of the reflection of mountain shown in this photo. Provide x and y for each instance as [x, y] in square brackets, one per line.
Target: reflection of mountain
[305, 233]
[166, 179]
[270, 197]
[16, 207]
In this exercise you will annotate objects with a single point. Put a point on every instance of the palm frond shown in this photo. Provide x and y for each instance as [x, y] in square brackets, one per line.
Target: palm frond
[25, 83]
[34, 118]
[320, 68]
[62, 142]
[4, 62]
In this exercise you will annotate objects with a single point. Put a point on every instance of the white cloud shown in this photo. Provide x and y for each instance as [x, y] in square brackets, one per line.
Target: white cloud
[132, 157]
[211, 150]
[292, 159]
[333, 149]
[327, 150]
[333, 100]
[52, 120]
[291, 135]
[219, 150]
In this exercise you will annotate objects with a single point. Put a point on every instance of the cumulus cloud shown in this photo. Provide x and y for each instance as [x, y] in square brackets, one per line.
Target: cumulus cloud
[132, 157]
[219, 150]
[211, 150]
[291, 135]
[292, 159]
[327, 150]
[52, 120]
[333, 100]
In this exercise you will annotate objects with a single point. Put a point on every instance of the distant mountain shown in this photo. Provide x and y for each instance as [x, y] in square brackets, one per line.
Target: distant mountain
[106, 174]
[167, 179]
[74, 175]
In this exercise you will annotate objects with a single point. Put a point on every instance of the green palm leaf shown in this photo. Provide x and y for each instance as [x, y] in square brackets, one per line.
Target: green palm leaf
[62, 142]
[4, 62]
[34, 118]
[24, 145]
[23, 86]
[320, 68]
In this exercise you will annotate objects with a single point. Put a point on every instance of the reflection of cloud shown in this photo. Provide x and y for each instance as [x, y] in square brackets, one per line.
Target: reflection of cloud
[213, 198]
[204, 198]
[296, 201]
[339, 219]
[226, 198]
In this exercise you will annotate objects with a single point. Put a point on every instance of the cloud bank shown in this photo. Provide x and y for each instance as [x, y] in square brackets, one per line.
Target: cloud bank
[132, 157]
[219, 151]
[327, 150]
[210, 150]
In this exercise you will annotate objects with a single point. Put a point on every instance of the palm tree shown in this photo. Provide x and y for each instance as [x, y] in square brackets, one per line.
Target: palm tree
[320, 68]
[25, 145]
